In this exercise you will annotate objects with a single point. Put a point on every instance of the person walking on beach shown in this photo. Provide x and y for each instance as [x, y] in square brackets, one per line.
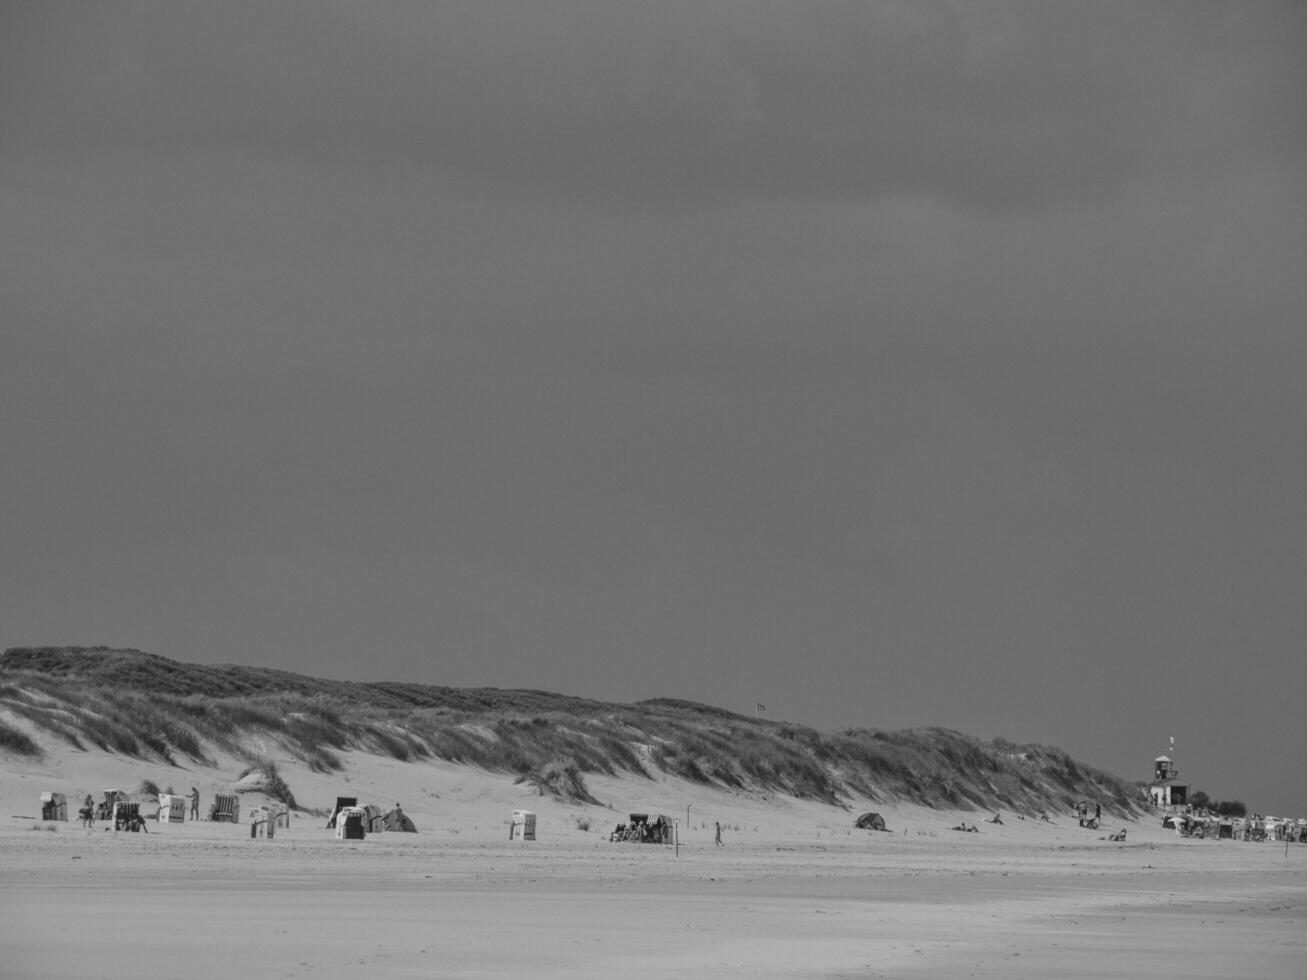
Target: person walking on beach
[719, 835]
[195, 803]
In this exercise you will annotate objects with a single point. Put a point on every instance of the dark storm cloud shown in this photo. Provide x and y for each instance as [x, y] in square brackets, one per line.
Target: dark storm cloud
[994, 105]
[918, 363]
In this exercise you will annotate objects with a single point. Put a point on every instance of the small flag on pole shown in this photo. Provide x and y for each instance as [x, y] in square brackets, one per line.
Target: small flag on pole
[759, 706]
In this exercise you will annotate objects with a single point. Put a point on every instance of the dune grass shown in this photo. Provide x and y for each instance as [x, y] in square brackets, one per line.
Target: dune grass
[162, 712]
[272, 784]
[17, 741]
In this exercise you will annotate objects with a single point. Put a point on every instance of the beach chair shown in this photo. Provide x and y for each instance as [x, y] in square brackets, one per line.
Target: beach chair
[104, 810]
[352, 823]
[54, 806]
[125, 815]
[341, 803]
[260, 820]
[172, 808]
[376, 820]
[225, 808]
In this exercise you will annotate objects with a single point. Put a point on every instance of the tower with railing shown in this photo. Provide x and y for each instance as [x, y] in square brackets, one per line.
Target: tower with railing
[1167, 791]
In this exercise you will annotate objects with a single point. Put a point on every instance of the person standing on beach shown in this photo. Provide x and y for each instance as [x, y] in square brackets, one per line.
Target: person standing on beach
[719, 835]
[195, 803]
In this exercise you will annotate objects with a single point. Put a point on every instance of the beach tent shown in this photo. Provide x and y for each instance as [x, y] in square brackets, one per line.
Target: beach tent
[870, 821]
[397, 819]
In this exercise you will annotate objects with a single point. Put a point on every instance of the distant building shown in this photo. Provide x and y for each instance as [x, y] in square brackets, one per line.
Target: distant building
[1166, 789]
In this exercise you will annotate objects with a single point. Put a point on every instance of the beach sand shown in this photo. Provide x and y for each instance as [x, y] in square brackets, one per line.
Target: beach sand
[795, 891]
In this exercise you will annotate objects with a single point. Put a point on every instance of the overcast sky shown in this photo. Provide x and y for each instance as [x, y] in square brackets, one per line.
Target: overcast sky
[890, 365]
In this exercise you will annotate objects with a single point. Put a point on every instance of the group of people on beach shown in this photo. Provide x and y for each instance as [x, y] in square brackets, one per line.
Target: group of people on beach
[88, 812]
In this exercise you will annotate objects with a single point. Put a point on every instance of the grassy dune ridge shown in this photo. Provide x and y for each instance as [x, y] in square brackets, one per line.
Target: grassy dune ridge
[146, 706]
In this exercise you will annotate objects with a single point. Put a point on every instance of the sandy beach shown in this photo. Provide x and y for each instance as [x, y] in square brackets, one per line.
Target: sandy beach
[795, 891]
